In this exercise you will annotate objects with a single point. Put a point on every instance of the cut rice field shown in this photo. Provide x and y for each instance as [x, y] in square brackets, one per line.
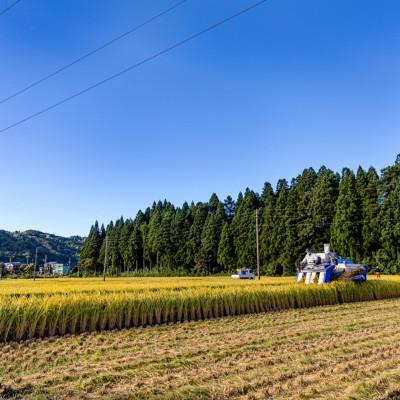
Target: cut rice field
[56, 307]
[347, 351]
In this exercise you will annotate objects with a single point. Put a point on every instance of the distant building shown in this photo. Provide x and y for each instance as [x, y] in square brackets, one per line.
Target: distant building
[13, 267]
[55, 268]
[61, 269]
[48, 267]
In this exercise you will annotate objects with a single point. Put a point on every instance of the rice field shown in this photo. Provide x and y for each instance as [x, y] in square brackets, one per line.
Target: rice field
[56, 307]
[92, 285]
[338, 352]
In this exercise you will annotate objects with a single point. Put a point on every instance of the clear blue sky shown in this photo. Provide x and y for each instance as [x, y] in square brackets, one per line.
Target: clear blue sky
[289, 85]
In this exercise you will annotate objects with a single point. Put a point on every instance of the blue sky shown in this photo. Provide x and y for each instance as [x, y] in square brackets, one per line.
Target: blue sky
[289, 85]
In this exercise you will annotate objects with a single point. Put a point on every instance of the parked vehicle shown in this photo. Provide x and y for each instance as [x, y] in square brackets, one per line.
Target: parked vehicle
[244, 273]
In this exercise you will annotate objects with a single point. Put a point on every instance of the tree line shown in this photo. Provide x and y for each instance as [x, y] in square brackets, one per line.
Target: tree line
[357, 212]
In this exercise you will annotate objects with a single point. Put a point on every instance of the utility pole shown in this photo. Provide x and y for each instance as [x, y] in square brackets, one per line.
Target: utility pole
[36, 254]
[105, 260]
[258, 247]
[45, 266]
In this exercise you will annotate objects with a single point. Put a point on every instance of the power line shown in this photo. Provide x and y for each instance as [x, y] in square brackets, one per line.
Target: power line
[138, 64]
[9, 7]
[90, 53]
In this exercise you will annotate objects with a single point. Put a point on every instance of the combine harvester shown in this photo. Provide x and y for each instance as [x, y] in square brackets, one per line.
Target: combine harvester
[328, 266]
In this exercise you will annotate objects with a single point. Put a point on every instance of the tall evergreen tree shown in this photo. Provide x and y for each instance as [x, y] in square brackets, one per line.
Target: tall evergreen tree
[278, 232]
[389, 255]
[346, 228]
[243, 228]
[123, 244]
[164, 242]
[371, 224]
[136, 241]
[306, 183]
[103, 257]
[114, 248]
[179, 235]
[213, 204]
[226, 250]
[323, 205]
[229, 206]
[267, 225]
[367, 188]
[152, 238]
[200, 213]
[102, 232]
[134, 248]
[147, 255]
[299, 230]
[293, 222]
[91, 249]
[207, 258]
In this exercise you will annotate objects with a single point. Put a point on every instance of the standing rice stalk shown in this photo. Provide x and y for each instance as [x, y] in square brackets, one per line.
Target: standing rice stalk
[25, 316]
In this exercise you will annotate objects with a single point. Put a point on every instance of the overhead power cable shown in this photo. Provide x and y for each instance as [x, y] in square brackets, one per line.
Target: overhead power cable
[138, 64]
[2, 12]
[90, 53]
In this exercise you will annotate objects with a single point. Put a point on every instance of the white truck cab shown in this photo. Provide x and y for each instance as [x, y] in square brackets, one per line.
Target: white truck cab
[244, 273]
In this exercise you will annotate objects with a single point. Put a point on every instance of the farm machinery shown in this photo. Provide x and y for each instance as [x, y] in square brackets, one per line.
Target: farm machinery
[329, 266]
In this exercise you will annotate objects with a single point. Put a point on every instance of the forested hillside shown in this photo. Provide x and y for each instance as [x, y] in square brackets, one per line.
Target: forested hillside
[20, 245]
[357, 212]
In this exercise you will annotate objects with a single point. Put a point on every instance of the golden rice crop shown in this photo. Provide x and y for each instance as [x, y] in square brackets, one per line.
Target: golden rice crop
[69, 285]
[25, 316]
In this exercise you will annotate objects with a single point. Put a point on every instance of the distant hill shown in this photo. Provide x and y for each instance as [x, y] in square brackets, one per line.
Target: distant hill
[19, 245]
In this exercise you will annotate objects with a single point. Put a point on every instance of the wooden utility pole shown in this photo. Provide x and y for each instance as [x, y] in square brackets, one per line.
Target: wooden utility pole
[258, 247]
[105, 260]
